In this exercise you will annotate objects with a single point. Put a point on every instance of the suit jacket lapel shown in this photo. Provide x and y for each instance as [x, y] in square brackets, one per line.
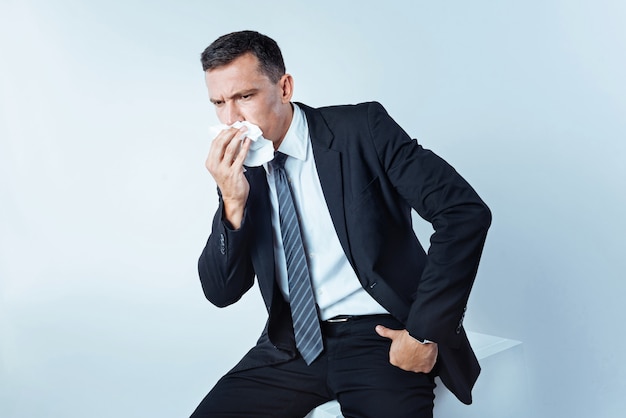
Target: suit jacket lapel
[329, 171]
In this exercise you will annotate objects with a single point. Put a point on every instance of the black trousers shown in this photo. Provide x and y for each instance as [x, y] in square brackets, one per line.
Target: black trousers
[354, 369]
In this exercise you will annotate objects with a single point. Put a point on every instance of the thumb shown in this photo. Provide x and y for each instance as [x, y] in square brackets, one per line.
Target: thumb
[385, 332]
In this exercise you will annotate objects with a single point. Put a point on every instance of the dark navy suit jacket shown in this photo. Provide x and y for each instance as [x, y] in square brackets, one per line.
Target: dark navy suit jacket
[372, 173]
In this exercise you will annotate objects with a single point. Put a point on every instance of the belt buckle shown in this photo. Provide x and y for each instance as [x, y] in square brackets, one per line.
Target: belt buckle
[339, 319]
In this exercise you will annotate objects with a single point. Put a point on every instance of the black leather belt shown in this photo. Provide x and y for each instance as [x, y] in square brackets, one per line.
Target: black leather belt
[341, 318]
[345, 325]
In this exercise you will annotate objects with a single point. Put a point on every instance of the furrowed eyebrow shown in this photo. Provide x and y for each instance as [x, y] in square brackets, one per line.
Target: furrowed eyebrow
[235, 95]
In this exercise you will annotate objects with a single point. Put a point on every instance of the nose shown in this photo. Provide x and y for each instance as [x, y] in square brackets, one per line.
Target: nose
[231, 113]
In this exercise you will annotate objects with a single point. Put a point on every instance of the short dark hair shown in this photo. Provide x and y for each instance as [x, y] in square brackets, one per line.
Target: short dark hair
[228, 47]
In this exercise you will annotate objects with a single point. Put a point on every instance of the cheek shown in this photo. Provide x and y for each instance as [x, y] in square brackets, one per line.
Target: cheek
[262, 113]
[254, 113]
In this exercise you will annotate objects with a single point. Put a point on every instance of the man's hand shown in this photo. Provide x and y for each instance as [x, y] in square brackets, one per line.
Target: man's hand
[407, 353]
[225, 163]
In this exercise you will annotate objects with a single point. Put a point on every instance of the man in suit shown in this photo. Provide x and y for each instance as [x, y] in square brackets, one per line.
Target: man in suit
[389, 314]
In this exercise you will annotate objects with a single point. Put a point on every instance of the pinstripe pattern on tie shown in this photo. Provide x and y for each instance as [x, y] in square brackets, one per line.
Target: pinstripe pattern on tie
[303, 311]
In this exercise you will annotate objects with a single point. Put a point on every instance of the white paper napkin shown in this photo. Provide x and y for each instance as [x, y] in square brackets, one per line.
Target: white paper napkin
[261, 149]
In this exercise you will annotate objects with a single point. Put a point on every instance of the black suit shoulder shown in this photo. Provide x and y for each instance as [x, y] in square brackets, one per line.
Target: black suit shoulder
[339, 114]
[367, 124]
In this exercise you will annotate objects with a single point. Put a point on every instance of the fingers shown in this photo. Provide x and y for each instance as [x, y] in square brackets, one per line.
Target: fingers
[407, 353]
[243, 153]
[225, 163]
[386, 332]
[225, 149]
[233, 147]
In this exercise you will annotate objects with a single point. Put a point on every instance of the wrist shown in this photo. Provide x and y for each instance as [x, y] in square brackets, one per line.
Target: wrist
[234, 213]
[422, 340]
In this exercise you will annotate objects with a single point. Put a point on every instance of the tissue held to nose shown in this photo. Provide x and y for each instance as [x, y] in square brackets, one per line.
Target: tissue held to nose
[261, 149]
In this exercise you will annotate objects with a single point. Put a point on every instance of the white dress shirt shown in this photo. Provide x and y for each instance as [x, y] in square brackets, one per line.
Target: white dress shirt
[335, 285]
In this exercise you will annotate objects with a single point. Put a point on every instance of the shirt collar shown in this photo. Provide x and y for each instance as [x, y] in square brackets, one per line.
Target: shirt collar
[296, 141]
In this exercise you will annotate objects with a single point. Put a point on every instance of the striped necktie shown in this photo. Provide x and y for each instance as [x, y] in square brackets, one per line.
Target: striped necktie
[303, 310]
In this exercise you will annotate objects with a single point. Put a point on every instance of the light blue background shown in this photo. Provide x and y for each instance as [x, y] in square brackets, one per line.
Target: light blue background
[105, 203]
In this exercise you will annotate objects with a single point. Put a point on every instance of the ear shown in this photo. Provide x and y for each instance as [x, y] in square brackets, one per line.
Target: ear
[286, 86]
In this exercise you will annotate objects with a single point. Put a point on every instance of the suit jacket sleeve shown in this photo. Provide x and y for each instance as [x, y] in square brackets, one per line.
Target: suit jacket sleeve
[225, 266]
[460, 220]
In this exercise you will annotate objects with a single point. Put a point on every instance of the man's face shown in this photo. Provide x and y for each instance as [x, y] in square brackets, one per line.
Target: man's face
[240, 91]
